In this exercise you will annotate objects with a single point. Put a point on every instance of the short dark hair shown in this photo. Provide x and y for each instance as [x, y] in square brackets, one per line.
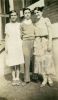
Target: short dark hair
[39, 8]
[26, 9]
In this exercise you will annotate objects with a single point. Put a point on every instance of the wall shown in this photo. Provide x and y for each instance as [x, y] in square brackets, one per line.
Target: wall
[51, 10]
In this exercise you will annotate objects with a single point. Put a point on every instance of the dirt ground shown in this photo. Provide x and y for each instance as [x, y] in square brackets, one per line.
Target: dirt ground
[31, 91]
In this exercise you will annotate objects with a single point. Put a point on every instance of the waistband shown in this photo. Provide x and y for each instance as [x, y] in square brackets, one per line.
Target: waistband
[28, 38]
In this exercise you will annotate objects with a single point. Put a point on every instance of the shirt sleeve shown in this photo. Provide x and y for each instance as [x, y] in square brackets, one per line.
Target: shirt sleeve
[21, 30]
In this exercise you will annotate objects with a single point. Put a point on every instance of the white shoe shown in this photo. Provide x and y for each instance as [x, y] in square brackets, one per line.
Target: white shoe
[50, 82]
[43, 84]
[16, 81]
[13, 83]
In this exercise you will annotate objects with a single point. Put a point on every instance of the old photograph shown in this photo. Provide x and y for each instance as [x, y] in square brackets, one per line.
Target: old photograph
[28, 49]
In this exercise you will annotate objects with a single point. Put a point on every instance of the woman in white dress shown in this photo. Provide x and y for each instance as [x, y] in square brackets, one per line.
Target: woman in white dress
[13, 46]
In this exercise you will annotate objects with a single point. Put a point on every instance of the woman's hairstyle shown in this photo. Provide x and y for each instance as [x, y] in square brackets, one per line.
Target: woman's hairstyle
[13, 11]
[39, 8]
[26, 9]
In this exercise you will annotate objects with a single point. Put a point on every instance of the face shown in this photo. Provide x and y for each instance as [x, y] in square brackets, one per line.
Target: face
[13, 17]
[27, 14]
[38, 14]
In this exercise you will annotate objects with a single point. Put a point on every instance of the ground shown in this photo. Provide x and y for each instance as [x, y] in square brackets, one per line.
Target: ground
[32, 91]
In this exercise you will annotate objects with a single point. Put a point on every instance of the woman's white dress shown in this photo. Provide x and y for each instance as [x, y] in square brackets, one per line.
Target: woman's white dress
[13, 44]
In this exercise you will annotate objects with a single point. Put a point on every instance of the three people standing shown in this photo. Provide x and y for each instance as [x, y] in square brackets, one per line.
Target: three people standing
[22, 38]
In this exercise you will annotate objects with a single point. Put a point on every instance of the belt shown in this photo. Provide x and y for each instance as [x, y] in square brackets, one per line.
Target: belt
[46, 36]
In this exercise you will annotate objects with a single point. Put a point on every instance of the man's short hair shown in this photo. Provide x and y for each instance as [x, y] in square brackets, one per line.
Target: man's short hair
[26, 9]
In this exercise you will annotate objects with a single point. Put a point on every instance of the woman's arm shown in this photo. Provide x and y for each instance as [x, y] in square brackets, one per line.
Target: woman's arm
[49, 28]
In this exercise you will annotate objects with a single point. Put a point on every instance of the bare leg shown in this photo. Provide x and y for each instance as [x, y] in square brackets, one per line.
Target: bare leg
[13, 73]
[18, 81]
[44, 81]
[50, 80]
[44, 74]
[17, 72]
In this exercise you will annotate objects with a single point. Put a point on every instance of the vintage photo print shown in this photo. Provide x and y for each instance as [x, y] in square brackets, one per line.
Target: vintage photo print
[28, 49]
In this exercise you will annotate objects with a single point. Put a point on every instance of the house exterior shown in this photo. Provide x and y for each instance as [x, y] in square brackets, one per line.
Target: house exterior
[51, 10]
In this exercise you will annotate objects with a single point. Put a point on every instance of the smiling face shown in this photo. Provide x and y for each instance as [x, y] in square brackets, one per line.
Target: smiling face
[13, 17]
[38, 14]
[27, 14]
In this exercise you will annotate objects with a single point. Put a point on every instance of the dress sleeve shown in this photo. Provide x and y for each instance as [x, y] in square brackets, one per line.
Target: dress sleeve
[6, 37]
[49, 28]
[6, 29]
[48, 24]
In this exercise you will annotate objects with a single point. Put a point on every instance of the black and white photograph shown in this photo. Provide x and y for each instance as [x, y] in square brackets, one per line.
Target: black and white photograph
[28, 49]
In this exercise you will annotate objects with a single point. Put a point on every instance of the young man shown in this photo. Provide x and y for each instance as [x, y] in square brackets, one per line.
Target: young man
[27, 33]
